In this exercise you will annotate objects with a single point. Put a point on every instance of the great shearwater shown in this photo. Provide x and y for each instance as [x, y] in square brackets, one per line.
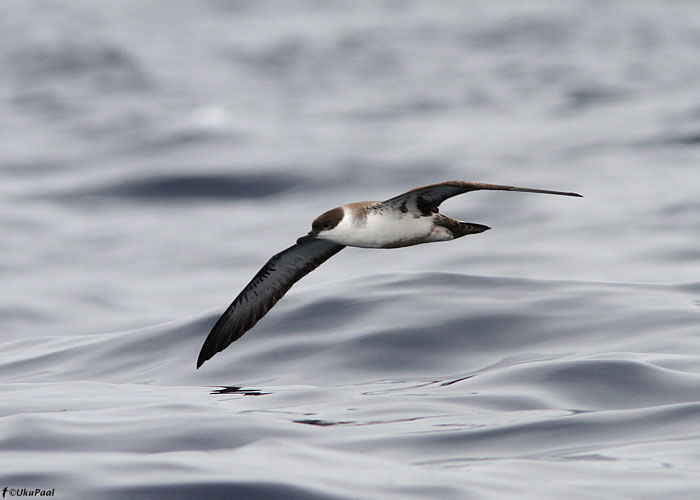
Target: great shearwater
[407, 219]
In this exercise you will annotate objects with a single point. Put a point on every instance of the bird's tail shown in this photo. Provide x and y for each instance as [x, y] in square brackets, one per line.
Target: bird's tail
[465, 228]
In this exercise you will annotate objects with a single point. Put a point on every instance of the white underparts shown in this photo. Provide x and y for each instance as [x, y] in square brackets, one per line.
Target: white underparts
[384, 229]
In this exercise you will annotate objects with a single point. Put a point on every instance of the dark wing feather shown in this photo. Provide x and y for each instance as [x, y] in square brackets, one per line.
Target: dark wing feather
[265, 289]
[426, 199]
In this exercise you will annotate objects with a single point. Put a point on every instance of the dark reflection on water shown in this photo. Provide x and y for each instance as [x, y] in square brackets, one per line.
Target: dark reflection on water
[322, 423]
[240, 391]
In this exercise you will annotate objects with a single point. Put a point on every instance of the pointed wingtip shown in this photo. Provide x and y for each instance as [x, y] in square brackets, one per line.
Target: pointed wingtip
[547, 191]
[203, 356]
[501, 187]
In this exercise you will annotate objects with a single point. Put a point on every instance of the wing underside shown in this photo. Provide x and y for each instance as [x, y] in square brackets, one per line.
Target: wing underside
[267, 287]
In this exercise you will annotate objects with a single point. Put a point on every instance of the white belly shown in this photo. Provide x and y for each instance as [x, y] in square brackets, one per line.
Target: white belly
[385, 230]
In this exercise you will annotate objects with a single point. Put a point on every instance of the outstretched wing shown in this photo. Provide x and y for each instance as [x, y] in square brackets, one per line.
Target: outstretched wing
[265, 289]
[425, 200]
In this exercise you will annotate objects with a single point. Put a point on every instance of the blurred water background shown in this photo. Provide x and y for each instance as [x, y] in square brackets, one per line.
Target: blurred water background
[155, 154]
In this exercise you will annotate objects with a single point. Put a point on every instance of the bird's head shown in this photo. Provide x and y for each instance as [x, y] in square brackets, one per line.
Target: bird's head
[327, 221]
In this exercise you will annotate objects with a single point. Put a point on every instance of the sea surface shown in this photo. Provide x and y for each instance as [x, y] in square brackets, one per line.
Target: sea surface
[154, 155]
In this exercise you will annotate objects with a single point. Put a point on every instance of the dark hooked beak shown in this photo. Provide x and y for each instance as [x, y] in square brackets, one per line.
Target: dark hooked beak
[309, 236]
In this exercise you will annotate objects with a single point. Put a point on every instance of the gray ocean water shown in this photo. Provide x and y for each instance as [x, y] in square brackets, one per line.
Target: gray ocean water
[153, 156]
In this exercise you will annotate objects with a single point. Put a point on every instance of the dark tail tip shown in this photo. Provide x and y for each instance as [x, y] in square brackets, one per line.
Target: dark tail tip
[473, 228]
[461, 228]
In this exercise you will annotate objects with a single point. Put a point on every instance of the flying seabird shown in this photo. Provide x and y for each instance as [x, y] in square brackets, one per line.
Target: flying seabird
[404, 220]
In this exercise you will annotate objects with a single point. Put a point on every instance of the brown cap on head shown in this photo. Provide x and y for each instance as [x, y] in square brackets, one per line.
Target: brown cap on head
[328, 220]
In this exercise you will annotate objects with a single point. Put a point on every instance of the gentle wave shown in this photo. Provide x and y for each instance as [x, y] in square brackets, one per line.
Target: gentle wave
[439, 369]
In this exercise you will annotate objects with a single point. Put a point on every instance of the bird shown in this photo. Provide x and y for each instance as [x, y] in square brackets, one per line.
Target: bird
[408, 219]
